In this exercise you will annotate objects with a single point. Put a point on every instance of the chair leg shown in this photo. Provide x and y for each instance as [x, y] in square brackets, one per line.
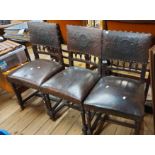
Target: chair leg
[84, 126]
[19, 96]
[154, 121]
[153, 108]
[139, 127]
[142, 128]
[89, 127]
[49, 106]
[147, 86]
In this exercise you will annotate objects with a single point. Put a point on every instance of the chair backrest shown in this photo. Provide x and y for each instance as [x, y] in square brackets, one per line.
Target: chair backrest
[126, 51]
[84, 45]
[45, 39]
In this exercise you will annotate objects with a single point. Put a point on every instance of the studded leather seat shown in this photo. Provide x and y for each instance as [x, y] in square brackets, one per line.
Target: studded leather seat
[35, 73]
[118, 94]
[44, 37]
[72, 83]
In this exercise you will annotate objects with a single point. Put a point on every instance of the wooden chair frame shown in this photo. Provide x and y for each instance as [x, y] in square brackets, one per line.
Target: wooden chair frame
[112, 62]
[77, 52]
[41, 45]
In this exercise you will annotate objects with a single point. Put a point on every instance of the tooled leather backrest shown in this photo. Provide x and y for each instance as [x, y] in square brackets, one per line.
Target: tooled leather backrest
[84, 39]
[44, 34]
[126, 47]
[45, 39]
[85, 43]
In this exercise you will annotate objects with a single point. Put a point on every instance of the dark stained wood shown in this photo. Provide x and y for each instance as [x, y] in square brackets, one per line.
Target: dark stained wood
[152, 76]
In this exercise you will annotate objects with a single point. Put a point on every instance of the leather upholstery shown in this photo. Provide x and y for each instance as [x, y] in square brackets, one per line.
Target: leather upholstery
[126, 46]
[72, 84]
[35, 73]
[45, 39]
[118, 95]
[44, 34]
[84, 39]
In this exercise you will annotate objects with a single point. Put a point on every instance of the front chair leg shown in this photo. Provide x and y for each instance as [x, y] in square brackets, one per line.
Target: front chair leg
[49, 108]
[89, 127]
[84, 126]
[139, 130]
[18, 95]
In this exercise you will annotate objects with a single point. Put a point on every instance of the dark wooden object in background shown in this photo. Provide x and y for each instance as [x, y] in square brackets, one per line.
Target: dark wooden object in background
[152, 73]
[146, 26]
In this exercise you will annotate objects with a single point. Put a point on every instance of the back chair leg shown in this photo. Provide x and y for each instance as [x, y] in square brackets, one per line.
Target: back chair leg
[18, 95]
[142, 128]
[147, 86]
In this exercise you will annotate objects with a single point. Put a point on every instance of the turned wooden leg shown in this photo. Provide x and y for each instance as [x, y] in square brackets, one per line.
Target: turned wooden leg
[19, 96]
[89, 127]
[139, 127]
[154, 122]
[84, 126]
[49, 106]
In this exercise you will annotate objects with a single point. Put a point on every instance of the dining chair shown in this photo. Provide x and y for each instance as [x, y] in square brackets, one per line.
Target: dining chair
[45, 39]
[122, 96]
[74, 83]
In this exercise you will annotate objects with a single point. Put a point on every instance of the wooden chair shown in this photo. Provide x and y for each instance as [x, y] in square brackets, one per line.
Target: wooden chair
[74, 83]
[44, 38]
[116, 95]
[152, 77]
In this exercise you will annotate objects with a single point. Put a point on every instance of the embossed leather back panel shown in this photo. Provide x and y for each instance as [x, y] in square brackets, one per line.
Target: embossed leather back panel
[126, 46]
[84, 39]
[44, 34]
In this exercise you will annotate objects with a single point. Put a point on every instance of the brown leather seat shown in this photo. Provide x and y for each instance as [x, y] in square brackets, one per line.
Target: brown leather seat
[118, 94]
[72, 83]
[35, 73]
